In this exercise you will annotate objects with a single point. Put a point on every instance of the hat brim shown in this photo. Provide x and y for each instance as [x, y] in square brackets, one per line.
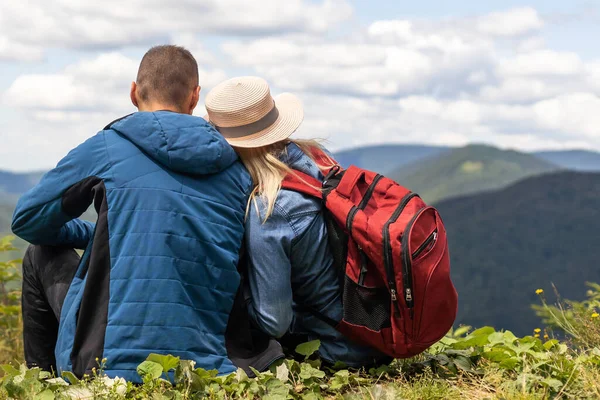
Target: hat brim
[291, 115]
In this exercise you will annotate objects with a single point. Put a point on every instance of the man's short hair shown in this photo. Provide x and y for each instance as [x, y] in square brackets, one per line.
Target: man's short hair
[167, 75]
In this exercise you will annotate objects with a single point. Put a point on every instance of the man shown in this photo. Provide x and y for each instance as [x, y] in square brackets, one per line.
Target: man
[159, 269]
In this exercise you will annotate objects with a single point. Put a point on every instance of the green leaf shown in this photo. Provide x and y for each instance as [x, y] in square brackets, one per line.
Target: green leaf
[496, 355]
[555, 384]
[151, 369]
[256, 372]
[478, 337]
[379, 371]
[340, 380]
[57, 382]
[509, 337]
[550, 344]
[45, 395]
[70, 377]
[510, 363]
[307, 371]
[463, 330]
[339, 365]
[309, 348]
[241, 375]
[496, 337]
[276, 390]
[463, 363]
[10, 370]
[485, 331]
[206, 374]
[282, 373]
[45, 375]
[168, 362]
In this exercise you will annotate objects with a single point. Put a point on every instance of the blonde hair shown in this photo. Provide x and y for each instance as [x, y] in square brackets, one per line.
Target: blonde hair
[268, 171]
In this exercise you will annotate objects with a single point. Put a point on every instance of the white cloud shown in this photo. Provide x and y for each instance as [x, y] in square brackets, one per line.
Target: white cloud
[520, 90]
[116, 23]
[489, 78]
[391, 58]
[573, 112]
[542, 62]
[100, 84]
[12, 50]
[513, 22]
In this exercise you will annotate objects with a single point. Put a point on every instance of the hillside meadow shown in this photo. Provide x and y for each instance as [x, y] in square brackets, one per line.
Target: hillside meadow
[468, 363]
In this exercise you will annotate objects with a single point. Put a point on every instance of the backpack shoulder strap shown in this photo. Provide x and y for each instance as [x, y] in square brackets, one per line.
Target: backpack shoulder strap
[306, 184]
[303, 183]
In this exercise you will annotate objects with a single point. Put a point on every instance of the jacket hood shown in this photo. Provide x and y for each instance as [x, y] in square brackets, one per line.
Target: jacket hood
[180, 142]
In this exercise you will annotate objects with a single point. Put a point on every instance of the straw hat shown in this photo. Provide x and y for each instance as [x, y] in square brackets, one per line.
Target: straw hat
[243, 110]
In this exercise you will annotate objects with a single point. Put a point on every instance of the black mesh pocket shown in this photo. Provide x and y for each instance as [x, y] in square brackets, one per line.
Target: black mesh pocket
[338, 244]
[369, 307]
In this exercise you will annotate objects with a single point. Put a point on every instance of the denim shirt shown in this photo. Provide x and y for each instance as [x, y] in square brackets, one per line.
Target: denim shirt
[290, 264]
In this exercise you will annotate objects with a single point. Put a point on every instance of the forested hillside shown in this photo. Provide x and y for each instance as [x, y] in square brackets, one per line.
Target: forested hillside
[506, 244]
[467, 170]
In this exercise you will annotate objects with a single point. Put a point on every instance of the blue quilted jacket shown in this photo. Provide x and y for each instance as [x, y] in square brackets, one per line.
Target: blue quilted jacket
[159, 271]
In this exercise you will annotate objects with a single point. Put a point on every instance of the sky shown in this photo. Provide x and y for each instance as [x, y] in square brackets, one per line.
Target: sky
[515, 74]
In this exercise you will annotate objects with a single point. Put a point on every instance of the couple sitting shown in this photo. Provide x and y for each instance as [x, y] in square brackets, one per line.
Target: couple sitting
[179, 199]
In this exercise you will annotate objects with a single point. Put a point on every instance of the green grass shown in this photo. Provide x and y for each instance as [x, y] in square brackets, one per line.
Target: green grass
[466, 364]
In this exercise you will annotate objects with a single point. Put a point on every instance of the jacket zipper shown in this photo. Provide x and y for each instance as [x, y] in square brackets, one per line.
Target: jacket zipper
[407, 266]
[387, 250]
[431, 238]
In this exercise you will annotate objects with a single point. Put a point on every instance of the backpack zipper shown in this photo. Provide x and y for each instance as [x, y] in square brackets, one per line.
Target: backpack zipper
[407, 264]
[350, 219]
[431, 238]
[387, 250]
[361, 206]
[363, 266]
[369, 193]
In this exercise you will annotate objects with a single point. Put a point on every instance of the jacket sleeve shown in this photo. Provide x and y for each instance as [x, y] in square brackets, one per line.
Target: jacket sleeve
[269, 272]
[48, 213]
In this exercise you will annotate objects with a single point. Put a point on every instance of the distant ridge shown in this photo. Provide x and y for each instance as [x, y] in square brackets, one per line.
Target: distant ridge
[385, 158]
[18, 183]
[577, 160]
[467, 170]
[505, 244]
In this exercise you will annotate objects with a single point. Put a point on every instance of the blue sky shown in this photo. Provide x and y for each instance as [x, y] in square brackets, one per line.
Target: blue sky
[515, 74]
[575, 21]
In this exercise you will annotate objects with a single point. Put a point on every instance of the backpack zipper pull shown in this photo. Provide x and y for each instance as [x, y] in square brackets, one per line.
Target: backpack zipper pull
[363, 266]
[409, 297]
[394, 296]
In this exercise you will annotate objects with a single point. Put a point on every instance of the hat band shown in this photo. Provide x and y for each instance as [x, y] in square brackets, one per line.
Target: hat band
[250, 129]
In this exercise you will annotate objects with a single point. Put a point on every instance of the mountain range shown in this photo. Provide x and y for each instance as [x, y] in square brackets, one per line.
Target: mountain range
[438, 173]
[468, 170]
[385, 158]
[516, 221]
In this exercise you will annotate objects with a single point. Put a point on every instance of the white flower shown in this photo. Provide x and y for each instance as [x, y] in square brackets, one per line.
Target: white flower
[79, 393]
[57, 381]
[116, 385]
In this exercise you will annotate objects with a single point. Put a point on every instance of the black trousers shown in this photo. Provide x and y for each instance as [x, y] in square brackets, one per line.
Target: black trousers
[47, 275]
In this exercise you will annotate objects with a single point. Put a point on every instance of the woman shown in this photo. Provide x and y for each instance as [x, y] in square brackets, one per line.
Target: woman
[290, 268]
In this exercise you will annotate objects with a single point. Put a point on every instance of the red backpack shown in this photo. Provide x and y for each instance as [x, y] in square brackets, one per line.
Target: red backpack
[392, 254]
